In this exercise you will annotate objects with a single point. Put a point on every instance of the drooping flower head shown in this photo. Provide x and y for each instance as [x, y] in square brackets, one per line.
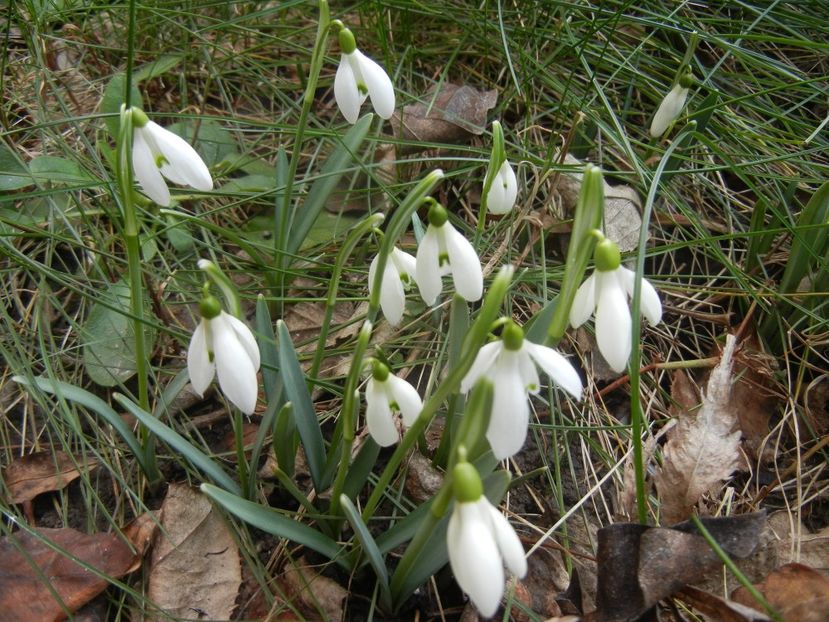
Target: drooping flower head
[480, 542]
[158, 153]
[386, 394]
[671, 106]
[606, 292]
[399, 271]
[510, 364]
[500, 178]
[223, 345]
[359, 77]
[445, 251]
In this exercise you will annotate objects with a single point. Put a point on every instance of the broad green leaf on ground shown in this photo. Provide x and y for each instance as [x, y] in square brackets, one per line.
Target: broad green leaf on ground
[13, 174]
[40, 583]
[51, 170]
[194, 560]
[157, 67]
[107, 334]
[112, 100]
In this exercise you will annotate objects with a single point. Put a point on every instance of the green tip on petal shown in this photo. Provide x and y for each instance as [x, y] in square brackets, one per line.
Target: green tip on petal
[139, 117]
[347, 42]
[466, 483]
[379, 371]
[437, 215]
[209, 307]
[512, 335]
[607, 255]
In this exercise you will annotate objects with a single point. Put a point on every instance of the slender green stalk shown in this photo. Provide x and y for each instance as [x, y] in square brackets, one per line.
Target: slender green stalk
[131, 13]
[636, 414]
[496, 158]
[241, 461]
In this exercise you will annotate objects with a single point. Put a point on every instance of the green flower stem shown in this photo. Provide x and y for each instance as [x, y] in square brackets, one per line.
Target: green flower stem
[397, 224]
[131, 11]
[242, 467]
[636, 414]
[490, 310]
[317, 59]
[223, 282]
[588, 216]
[354, 236]
[132, 242]
[458, 325]
[496, 159]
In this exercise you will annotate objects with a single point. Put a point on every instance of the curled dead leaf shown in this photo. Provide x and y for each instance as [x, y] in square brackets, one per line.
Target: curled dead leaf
[43, 471]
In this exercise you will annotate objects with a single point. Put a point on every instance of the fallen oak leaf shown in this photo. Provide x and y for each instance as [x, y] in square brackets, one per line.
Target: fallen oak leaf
[43, 471]
[33, 572]
[797, 592]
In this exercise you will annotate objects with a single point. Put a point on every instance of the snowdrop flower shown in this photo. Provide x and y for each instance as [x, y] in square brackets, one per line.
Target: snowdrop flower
[510, 363]
[359, 77]
[500, 178]
[400, 267]
[224, 345]
[671, 106]
[606, 292]
[445, 251]
[480, 542]
[385, 393]
[158, 153]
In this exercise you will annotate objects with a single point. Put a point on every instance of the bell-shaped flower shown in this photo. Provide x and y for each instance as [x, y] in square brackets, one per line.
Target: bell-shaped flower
[480, 541]
[359, 77]
[386, 394]
[671, 105]
[503, 192]
[223, 345]
[445, 251]
[158, 153]
[510, 364]
[606, 292]
[399, 270]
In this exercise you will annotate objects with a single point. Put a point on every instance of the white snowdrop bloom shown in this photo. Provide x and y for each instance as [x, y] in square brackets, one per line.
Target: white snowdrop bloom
[669, 109]
[223, 345]
[504, 190]
[445, 251]
[158, 153]
[606, 292]
[385, 394]
[400, 269]
[480, 542]
[510, 364]
[359, 77]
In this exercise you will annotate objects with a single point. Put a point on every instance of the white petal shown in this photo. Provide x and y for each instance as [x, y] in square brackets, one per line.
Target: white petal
[481, 365]
[234, 367]
[348, 96]
[556, 367]
[404, 262]
[380, 88]
[407, 398]
[504, 190]
[427, 266]
[372, 270]
[649, 303]
[146, 172]
[510, 417]
[669, 109]
[613, 325]
[512, 551]
[199, 365]
[245, 338]
[378, 415]
[183, 165]
[465, 265]
[584, 302]
[474, 557]
[526, 368]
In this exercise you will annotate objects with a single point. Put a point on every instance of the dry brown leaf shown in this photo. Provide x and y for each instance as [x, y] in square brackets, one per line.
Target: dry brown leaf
[40, 472]
[316, 595]
[194, 567]
[140, 533]
[752, 396]
[703, 449]
[816, 403]
[720, 609]
[798, 592]
[26, 560]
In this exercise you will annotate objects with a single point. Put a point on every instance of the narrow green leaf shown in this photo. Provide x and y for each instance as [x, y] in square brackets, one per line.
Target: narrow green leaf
[375, 558]
[332, 171]
[359, 470]
[175, 440]
[304, 414]
[272, 521]
[268, 351]
[80, 396]
[809, 239]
